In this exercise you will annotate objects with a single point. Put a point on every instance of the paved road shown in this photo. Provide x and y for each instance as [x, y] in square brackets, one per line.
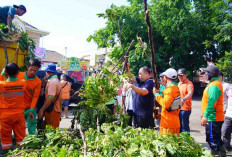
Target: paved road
[197, 131]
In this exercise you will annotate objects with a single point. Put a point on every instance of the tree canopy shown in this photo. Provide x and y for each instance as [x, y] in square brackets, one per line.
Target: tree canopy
[185, 32]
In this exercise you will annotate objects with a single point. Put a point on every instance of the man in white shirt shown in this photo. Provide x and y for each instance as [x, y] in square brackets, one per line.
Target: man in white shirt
[127, 100]
[225, 85]
[227, 126]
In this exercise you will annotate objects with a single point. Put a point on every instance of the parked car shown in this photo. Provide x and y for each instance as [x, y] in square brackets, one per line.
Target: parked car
[75, 85]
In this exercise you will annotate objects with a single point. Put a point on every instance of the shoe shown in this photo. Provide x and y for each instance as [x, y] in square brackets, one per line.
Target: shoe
[222, 151]
[229, 149]
[66, 117]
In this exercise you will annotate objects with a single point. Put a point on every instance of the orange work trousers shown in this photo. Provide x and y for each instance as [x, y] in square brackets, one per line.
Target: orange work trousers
[164, 131]
[15, 123]
[52, 119]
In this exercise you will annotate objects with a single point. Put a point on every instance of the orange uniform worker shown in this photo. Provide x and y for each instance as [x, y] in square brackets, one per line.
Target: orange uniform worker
[169, 123]
[52, 95]
[212, 111]
[33, 86]
[12, 108]
[66, 88]
[186, 92]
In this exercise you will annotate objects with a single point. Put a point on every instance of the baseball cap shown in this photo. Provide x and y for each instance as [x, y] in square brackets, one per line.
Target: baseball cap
[182, 71]
[212, 69]
[21, 7]
[161, 75]
[170, 73]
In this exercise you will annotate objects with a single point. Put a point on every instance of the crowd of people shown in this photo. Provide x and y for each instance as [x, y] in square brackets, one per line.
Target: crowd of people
[20, 92]
[19, 105]
[141, 98]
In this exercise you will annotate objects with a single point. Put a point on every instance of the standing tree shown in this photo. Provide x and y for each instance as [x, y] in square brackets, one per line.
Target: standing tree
[184, 32]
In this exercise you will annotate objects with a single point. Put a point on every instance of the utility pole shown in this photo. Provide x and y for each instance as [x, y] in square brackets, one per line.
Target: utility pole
[66, 52]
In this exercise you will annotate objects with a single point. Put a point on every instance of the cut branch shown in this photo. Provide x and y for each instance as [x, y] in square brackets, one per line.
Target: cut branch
[98, 125]
[20, 153]
[83, 138]
[16, 53]
[142, 45]
[125, 66]
[119, 60]
[5, 50]
[150, 37]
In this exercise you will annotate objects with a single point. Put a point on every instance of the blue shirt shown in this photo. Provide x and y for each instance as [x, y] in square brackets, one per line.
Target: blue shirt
[144, 105]
[5, 11]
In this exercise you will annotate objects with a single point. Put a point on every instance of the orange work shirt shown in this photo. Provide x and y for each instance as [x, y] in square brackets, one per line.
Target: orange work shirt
[53, 89]
[66, 88]
[12, 97]
[33, 87]
[169, 119]
[186, 87]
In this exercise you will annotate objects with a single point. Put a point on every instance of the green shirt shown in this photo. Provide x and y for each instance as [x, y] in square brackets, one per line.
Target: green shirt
[5, 11]
[213, 94]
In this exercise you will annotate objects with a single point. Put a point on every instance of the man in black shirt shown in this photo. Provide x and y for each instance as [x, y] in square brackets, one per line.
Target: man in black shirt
[143, 101]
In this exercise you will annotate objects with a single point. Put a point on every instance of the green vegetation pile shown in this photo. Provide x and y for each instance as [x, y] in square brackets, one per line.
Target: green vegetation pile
[112, 141]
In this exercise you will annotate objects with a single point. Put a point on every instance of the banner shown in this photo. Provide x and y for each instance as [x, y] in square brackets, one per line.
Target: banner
[74, 66]
[64, 66]
[76, 70]
[40, 52]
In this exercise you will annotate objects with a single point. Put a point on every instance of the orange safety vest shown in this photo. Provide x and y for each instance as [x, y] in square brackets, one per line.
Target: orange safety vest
[12, 97]
[169, 119]
[218, 105]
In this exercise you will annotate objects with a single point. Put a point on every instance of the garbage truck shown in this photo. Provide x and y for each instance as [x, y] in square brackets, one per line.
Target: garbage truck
[15, 54]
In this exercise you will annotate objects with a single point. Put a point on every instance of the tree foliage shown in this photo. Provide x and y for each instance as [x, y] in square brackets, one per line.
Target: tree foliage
[225, 66]
[185, 32]
[97, 90]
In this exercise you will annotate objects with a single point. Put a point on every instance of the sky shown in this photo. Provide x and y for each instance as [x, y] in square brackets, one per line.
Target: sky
[69, 22]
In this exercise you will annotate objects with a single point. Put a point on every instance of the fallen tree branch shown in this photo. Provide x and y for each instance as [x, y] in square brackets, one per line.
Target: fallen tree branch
[150, 37]
[118, 151]
[126, 58]
[5, 50]
[98, 125]
[119, 60]
[16, 53]
[142, 45]
[26, 151]
[83, 138]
